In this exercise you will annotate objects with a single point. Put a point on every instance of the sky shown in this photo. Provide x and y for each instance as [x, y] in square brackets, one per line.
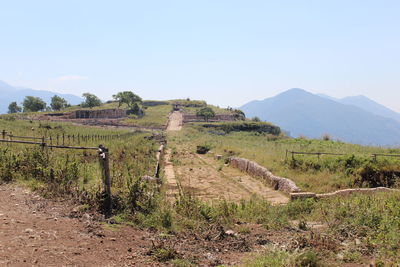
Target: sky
[227, 52]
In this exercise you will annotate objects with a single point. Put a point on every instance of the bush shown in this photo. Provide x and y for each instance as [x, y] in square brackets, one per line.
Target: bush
[245, 126]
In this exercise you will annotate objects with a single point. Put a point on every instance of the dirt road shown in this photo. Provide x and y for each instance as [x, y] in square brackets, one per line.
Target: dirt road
[175, 121]
[174, 124]
[39, 232]
[46, 233]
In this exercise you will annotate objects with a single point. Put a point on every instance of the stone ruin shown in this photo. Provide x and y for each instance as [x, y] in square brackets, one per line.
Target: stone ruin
[253, 169]
[217, 118]
[99, 114]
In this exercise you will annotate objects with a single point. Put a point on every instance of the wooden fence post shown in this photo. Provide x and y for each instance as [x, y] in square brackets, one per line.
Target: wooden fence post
[105, 171]
[43, 143]
[4, 134]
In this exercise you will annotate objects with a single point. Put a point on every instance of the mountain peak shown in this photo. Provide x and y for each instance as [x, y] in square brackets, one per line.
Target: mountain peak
[304, 113]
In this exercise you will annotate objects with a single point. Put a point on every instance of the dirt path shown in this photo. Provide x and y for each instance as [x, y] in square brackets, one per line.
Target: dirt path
[174, 124]
[209, 179]
[39, 232]
[175, 121]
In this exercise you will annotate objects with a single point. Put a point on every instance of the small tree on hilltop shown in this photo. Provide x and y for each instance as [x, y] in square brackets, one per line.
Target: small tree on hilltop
[58, 103]
[14, 108]
[33, 104]
[127, 97]
[239, 115]
[133, 101]
[206, 113]
[90, 101]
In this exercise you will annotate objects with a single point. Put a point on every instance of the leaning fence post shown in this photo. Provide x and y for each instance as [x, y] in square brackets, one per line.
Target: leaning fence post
[105, 171]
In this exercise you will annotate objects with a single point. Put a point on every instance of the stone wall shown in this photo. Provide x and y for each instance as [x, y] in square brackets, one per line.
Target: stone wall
[253, 169]
[217, 118]
[99, 114]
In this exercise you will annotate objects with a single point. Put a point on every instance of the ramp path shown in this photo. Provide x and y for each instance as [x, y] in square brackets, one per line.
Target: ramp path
[207, 178]
[174, 124]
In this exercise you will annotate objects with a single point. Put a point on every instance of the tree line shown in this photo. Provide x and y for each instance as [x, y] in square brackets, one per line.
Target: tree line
[36, 104]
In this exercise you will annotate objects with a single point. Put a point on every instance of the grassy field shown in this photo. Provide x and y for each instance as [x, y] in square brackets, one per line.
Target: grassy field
[75, 172]
[326, 174]
[156, 117]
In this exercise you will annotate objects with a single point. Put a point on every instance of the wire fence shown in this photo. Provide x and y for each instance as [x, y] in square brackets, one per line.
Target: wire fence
[374, 156]
[64, 142]
[103, 154]
[67, 139]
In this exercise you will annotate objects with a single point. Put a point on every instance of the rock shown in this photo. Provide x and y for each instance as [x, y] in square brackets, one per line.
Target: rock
[218, 157]
[230, 233]
[150, 179]
[28, 230]
[357, 241]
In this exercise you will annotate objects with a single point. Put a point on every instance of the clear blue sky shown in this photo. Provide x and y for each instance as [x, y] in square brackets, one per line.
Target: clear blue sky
[227, 52]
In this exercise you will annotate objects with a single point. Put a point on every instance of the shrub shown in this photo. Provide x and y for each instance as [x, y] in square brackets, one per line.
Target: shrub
[245, 126]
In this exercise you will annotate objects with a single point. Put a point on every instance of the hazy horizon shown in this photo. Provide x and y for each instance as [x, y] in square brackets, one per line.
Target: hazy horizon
[225, 52]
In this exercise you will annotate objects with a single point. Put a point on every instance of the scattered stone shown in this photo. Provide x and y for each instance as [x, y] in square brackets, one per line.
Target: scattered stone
[28, 230]
[230, 233]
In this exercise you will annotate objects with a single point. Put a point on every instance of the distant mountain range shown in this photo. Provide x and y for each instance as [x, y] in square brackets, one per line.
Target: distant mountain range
[10, 93]
[366, 104]
[352, 119]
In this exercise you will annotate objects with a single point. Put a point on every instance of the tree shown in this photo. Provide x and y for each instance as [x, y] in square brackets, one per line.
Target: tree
[206, 113]
[239, 115]
[133, 101]
[33, 104]
[14, 108]
[256, 119]
[58, 103]
[90, 101]
[129, 98]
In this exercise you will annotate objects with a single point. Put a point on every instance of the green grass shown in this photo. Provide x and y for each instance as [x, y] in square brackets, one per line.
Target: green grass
[155, 116]
[76, 172]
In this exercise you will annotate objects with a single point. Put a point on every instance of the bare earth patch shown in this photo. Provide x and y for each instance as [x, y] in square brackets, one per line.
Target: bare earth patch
[209, 179]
